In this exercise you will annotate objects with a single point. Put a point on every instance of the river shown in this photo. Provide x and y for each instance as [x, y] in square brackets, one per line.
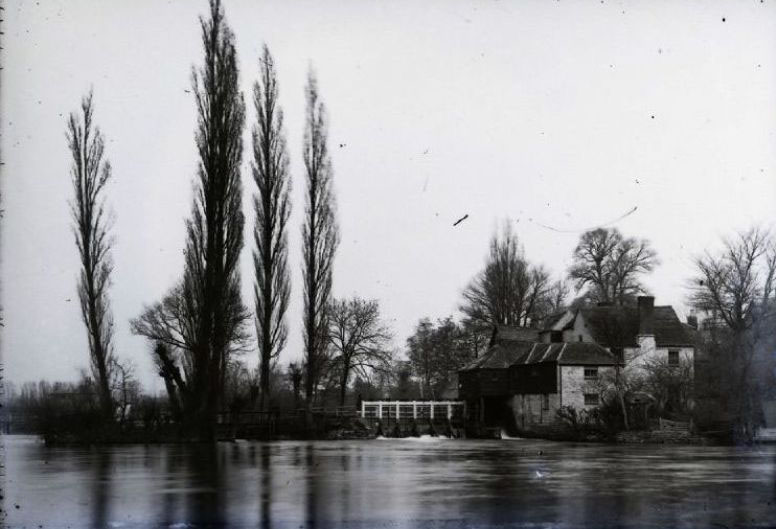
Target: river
[394, 483]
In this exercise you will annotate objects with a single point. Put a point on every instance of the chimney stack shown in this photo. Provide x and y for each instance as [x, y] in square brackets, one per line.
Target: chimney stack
[646, 315]
[692, 321]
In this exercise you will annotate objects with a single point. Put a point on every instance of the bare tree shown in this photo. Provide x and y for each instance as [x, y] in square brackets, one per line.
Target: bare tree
[319, 238]
[89, 174]
[295, 375]
[360, 340]
[737, 285]
[170, 372]
[610, 265]
[509, 290]
[557, 296]
[171, 325]
[670, 385]
[735, 289]
[618, 385]
[435, 352]
[272, 206]
[125, 387]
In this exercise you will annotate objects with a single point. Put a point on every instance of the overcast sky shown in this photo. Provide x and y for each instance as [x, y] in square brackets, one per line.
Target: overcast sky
[559, 114]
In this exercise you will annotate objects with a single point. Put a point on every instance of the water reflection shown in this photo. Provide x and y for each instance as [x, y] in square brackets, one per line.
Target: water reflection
[169, 501]
[101, 488]
[265, 514]
[404, 483]
[311, 491]
[206, 484]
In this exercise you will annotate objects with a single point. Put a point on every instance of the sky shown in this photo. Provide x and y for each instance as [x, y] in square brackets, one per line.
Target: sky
[555, 117]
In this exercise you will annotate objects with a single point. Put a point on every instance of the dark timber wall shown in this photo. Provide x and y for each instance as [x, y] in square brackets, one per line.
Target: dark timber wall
[533, 379]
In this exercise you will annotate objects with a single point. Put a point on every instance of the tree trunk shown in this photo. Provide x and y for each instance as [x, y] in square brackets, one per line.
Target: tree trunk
[344, 383]
[624, 410]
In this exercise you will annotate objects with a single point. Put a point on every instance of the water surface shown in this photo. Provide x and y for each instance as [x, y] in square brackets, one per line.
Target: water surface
[388, 483]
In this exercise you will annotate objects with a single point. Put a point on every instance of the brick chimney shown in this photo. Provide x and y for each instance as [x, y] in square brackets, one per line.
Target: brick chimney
[692, 321]
[646, 336]
[646, 315]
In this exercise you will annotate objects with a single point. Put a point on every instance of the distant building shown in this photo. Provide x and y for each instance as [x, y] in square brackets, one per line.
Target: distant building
[526, 375]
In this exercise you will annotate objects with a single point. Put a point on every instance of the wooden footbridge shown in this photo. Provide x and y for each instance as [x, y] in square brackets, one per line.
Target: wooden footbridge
[447, 410]
[400, 418]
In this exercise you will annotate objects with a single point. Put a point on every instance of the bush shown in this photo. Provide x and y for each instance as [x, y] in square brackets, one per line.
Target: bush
[581, 423]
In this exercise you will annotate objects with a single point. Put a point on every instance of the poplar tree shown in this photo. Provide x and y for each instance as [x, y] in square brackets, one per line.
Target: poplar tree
[320, 238]
[211, 282]
[272, 207]
[89, 174]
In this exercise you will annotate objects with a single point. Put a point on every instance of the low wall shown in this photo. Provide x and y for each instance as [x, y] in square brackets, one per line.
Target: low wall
[660, 437]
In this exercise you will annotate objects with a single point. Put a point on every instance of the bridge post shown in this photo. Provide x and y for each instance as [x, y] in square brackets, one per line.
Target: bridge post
[449, 411]
[432, 411]
[397, 411]
[414, 410]
[380, 409]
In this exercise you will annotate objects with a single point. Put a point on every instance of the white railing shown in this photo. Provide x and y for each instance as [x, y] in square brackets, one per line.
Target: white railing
[413, 409]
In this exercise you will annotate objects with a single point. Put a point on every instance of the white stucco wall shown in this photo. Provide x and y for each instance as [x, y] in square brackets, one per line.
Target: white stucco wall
[649, 352]
[579, 329]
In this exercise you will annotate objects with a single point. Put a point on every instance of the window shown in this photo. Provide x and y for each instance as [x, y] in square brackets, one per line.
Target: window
[580, 337]
[591, 373]
[591, 399]
[673, 358]
[545, 402]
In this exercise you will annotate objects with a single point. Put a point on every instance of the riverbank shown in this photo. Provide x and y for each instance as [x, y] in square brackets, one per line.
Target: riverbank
[355, 428]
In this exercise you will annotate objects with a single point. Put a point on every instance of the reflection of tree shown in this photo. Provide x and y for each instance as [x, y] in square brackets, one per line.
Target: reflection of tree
[266, 487]
[206, 480]
[344, 502]
[101, 489]
[311, 498]
[169, 502]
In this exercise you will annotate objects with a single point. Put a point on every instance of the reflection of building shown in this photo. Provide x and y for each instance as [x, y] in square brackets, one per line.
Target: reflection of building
[526, 375]
[768, 431]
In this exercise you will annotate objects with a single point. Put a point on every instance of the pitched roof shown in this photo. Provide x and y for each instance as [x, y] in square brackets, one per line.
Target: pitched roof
[614, 326]
[505, 354]
[505, 333]
[500, 355]
[558, 321]
[567, 353]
